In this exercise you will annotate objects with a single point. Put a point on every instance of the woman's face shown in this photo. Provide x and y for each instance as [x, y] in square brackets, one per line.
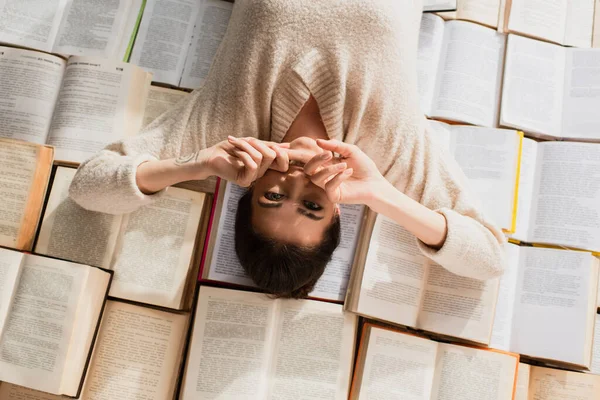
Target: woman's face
[288, 206]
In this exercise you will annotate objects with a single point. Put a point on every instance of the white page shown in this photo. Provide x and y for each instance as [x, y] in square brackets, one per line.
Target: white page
[489, 159]
[540, 18]
[522, 390]
[397, 366]
[31, 23]
[595, 367]
[159, 101]
[155, 249]
[92, 108]
[394, 275]
[527, 175]
[224, 265]
[164, 38]
[313, 351]
[29, 83]
[579, 23]
[73, 233]
[34, 345]
[503, 318]
[431, 36]
[437, 5]
[566, 210]
[92, 28]
[209, 31]
[469, 74]
[230, 344]
[533, 86]
[135, 6]
[581, 118]
[10, 270]
[551, 308]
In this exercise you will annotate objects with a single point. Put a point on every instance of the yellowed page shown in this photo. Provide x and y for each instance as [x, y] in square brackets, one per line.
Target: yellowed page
[397, 366]
[155, 248]
[73, 233]
[483, 11]
[465, 373]
[312, 351]
[9, 391]
[137, 354]
[595, 368]
[230, 346]
[10, 270]
[553, 384]
[160, 100]
[522, 390]
[394, 275]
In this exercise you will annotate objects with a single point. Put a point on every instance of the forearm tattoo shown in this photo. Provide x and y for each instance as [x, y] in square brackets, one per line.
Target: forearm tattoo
[187, 159]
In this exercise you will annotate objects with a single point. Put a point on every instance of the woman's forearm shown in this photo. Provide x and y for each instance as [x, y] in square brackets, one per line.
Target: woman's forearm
[427, 225]
[154, 176]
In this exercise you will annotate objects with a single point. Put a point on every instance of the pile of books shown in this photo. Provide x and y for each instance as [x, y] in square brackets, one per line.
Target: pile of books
[154, 305]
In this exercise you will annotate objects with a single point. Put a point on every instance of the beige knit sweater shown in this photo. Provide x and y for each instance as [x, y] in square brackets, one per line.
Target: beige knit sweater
[358, 59]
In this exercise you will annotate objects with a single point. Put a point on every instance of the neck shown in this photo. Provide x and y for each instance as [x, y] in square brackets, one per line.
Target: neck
[308, 123]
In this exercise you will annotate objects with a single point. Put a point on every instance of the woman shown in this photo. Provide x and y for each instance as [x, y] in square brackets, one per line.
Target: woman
[292, 83]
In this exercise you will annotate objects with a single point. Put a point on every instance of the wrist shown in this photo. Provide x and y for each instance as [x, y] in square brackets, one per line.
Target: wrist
[381, 195]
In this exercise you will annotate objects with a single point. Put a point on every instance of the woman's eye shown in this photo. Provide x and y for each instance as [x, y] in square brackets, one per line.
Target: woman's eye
[312, 206]
[273, 196]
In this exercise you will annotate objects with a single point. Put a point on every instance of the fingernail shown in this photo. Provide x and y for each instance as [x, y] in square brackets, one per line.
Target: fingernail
[231, 138]
[326, 155]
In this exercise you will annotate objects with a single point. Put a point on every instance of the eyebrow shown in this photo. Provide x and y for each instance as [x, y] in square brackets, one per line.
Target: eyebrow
[300, 210]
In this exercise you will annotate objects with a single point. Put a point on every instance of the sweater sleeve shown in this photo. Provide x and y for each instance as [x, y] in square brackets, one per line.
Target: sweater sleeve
[473, 245]
[106, 182]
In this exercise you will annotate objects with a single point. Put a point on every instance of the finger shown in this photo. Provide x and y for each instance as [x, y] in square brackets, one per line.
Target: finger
[282, 161]
[283, 145]
[343, 149]
[247, 147]
[303, 156]
[327, 173]
[248, 173]
[268, 155]
[332, 188]
[316, 162]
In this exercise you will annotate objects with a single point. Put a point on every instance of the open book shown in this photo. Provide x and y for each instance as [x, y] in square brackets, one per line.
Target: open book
[49, 313]
[559, 194]
[24, 172]
[79, 27]
[438, 5]
[245, 345]
[566, 22]
[460, 70]
[160, 100]
[485, 12]
[393, 281]
[547, 305]
[77, 106]
[151, 251]
[490, 159]
[395, 365]
[550, 90]
[178, 39]
[539, 383]
[138, 355]
[595, 367]
[220, 262]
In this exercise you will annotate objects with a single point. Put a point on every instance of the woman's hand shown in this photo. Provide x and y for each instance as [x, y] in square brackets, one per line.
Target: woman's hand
[353, 178]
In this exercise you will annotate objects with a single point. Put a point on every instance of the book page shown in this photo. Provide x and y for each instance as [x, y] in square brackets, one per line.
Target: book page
[155, 249]
[229, 349]
[73, 233]
[533, 86]
[10, 270]
[527, 175]
[313, 351]
[164, 38]
[489, 158]
[136, 355]
[567, 191]
[465, 373]
[469, 74]
[438, 5]
[431, 36]
[551, 306]
[582, 94]
[522, 389]
[29, 82]
[97, 103]
[92, 28]
[225, 266]
[134, 16]
[31, 23]
[18, 162]
[544, 19]
[159, 101]
[483, 11]
[554, 384]
[209, 31]
[394, 275]
[579, 23]
[503, 317]
[36, 338]
[596, 26]
[595, 367]
[14, 392]
[457, 306]
[396, 366]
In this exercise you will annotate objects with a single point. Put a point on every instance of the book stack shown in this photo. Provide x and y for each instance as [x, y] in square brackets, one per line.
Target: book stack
[154, 305]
